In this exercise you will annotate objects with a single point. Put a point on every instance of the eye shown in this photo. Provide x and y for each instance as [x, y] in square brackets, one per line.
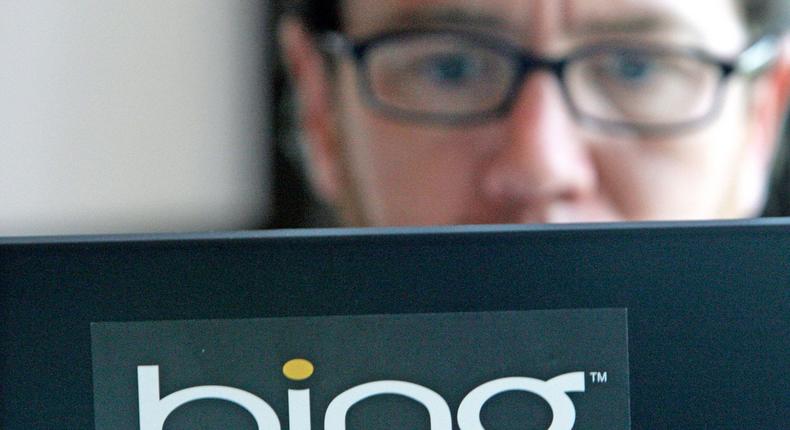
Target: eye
[629, 69]
[451, 69]
[632, 68]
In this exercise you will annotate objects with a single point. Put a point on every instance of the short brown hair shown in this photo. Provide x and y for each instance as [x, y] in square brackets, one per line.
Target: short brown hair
[761, 16]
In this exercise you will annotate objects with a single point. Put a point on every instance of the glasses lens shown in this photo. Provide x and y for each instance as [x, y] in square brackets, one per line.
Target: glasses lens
[645, 87]
[439, 75]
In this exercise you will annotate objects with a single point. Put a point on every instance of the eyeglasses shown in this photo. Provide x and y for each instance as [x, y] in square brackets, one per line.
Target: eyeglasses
[459, 77]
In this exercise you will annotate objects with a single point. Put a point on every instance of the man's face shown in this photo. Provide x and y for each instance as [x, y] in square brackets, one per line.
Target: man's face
[537, 162]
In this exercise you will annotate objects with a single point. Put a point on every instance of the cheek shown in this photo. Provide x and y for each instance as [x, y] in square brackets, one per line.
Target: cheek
[411, 174]
[685, 177]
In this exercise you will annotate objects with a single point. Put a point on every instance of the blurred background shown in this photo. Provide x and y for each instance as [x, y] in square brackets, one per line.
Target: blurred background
[134, 116]
[121, 116]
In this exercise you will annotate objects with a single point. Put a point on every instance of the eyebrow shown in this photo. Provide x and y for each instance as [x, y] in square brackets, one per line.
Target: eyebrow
[636, 24]
[449, 16]
[647, 23]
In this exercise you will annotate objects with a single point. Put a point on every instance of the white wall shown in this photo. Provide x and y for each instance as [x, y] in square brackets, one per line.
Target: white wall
[132, 115]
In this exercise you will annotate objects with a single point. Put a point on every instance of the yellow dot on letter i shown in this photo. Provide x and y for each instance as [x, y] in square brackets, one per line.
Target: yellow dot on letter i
[298, 369]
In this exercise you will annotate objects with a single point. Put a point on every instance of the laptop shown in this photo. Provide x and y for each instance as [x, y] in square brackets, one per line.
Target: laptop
[706, 307]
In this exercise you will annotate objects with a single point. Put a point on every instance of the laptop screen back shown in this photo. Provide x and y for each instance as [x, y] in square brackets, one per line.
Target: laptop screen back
[707, 303]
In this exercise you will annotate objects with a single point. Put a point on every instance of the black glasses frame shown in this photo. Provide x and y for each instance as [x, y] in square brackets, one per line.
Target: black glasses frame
[752, 60]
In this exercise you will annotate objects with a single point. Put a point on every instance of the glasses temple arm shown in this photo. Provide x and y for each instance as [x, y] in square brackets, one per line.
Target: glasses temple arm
[758, 57]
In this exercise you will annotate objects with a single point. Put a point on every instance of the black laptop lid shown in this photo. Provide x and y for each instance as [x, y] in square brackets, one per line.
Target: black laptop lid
[708, 303]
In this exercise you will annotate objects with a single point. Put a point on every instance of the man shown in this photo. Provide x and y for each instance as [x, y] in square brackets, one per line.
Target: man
[539, 111]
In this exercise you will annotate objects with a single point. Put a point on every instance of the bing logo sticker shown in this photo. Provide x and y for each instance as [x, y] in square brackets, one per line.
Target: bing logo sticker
[555, 370]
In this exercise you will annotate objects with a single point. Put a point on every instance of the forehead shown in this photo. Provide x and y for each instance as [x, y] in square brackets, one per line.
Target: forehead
[713, 23]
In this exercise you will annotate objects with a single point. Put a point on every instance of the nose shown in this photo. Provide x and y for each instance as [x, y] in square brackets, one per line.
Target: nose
[544, 168]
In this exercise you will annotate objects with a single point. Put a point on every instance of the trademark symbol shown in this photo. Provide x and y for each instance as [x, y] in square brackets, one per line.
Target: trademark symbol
[598, 377]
